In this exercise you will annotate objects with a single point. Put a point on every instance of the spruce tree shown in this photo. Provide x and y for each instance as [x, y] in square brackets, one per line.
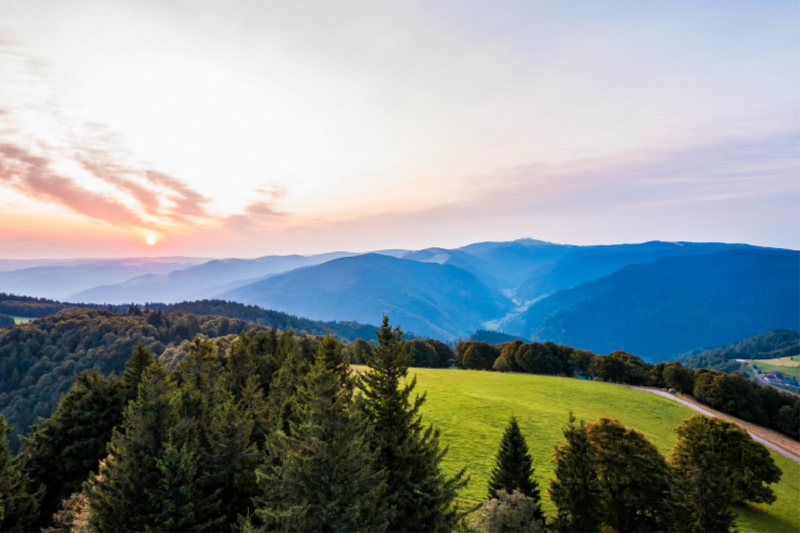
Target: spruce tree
[117, 496]
[179, 501]
[322, 475]
[141, 359]
[702, 480]
[422, 497]
[19, 502]
[575, 490]
[64, 448]
[514, 469]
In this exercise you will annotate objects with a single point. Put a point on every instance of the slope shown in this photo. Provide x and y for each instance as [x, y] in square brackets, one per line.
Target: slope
[439, 301]
[472, 409]
[202, 281]
[671, 305]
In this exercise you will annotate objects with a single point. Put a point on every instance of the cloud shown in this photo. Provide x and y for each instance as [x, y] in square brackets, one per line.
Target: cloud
[32, 176]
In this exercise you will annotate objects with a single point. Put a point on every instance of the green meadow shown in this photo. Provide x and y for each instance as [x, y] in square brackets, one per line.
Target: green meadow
[471, 408]
[21, 319]
[787, 370]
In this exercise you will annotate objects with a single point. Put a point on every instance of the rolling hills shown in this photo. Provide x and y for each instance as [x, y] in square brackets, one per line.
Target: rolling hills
[472, 409]
[440, 301]
[672, 305]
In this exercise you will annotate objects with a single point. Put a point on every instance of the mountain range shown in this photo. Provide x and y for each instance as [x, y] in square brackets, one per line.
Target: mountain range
[654, 299]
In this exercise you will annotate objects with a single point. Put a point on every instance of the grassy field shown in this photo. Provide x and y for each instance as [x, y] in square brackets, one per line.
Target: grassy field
[793, 361]
[21, 319]
[788, 370]
[472, 408]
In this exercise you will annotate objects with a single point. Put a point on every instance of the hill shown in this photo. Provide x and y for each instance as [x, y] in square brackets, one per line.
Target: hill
[588, 263]
[671, 305]
[432, 300]
[770, 345]
[201, 281]
[60, 281]
[472, 409]
[492, 337]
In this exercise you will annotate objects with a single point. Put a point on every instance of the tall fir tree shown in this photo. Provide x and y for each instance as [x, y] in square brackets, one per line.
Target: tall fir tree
[179, 501]
[117, 496]
[514, 468]
[64, 448]
[636, 480]
[702, 480]
[422, 497]
[19, 501]
[140, 360]
[576, 490]
[322, 475]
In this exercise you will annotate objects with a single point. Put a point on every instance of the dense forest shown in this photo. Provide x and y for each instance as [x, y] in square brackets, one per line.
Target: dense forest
[276, 433]
[770, 345]
[25, 306]
[732, 394]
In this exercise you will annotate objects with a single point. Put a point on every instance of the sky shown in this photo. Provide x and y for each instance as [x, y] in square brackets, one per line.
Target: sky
[249, 128]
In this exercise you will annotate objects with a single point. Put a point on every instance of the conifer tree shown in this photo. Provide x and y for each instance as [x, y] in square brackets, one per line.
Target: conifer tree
[117, 496]
[253, 404]
[322, 476]
[19, 503]
[63, 449]
[514, 468]
[422, 497]
[140, 360]
[701, 479]
[575, 490]
[178, 501]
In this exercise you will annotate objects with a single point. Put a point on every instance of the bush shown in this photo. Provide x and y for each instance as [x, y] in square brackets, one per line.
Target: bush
[509, 513]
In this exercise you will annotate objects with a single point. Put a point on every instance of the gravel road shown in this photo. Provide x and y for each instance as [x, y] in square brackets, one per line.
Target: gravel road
[706, 412]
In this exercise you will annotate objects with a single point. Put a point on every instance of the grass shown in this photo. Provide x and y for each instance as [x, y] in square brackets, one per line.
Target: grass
[472, 408]
[793, 361]
[787, 370]
[21, 319]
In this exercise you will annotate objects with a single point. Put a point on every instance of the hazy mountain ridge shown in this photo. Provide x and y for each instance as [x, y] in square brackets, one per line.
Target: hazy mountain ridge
[671, 305]
[441, 301]
[585, 296]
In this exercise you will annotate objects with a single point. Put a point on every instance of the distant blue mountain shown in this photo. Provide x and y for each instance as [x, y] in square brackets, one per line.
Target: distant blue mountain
[440, 301]
[674, 304]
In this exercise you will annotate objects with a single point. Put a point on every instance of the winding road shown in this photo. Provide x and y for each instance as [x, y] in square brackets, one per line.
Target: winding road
[768, 444]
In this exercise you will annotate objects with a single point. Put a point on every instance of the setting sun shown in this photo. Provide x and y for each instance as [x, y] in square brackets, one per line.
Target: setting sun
[150, 239]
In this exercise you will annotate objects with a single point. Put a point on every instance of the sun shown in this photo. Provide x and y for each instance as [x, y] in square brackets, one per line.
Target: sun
[150, 239]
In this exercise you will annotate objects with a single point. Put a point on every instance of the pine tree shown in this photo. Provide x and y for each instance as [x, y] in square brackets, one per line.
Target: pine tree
[514, 469]
[19, 502]
[322, 475]
[702, 480]
[179, 501]
[252, 402]
[575, 490]
[140, 360]
[422, 497]
[64, 448]
[117, 496]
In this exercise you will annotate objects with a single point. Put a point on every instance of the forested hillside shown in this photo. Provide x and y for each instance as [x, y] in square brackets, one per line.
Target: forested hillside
[672, 305]
[38, 360]
[770, 345]
[432, 300]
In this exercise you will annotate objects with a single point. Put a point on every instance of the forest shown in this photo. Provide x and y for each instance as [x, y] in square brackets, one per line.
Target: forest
[730, 393]
[276, 432]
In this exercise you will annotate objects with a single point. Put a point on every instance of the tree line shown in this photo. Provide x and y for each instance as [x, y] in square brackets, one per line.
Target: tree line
[730, 393]
[276, 433]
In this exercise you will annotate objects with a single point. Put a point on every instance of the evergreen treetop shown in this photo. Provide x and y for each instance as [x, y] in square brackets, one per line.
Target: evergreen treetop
[514, 468]
[422, 497]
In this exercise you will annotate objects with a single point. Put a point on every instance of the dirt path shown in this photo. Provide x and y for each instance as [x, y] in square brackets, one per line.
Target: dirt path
[708, 412]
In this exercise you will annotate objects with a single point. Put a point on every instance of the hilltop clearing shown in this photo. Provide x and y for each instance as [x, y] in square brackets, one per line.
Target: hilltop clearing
[472, 408]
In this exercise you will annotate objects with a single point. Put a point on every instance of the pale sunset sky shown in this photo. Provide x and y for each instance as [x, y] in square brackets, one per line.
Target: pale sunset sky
[249, 128]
